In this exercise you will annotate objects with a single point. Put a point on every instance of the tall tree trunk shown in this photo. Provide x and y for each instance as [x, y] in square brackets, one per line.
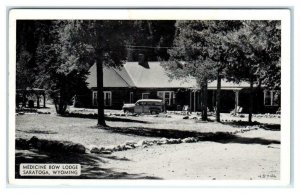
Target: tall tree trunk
[218, 97]
[204, 100]
[56, 106]
[100, 97]
[62, 102]
[251, 100]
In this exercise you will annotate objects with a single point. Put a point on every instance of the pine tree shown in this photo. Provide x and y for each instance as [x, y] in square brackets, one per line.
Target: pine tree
[60, 71]
[199, 50]
[96, 41]
[151, 38]
[255, 55]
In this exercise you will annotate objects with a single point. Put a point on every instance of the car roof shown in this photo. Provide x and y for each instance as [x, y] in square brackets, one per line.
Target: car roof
[150, 100]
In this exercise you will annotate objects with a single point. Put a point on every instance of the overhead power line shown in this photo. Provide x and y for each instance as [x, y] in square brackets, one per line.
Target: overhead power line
[153, 47]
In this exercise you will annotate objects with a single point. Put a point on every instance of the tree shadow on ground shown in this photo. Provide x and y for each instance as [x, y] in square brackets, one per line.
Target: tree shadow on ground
[91, 165]
[153, 132]
[249, 140]
[271, 127]
[38, 131]
[266, 126]
[240, 123]
[221, 137]
[94, 116]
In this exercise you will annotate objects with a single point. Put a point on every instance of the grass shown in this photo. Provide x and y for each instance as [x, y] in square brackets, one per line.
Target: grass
[77, 130]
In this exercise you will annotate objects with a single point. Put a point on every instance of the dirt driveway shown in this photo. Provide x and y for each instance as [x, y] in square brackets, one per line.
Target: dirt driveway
[203, 161]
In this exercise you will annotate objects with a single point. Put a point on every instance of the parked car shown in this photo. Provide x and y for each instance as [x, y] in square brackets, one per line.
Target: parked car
[146, 106]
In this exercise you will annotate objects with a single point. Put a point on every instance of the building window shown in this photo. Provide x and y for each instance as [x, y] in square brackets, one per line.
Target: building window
[167, 96]
[145, 95]
[276, 98]
[95, 98]
[267, 98]
[107, 98]
[271, 98]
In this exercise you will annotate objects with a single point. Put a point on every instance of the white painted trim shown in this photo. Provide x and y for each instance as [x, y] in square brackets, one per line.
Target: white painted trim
[93, 99]
[104, 93]
[145, 94]
[110, 99]
[272, 92]
[131, 97]
[171, 99]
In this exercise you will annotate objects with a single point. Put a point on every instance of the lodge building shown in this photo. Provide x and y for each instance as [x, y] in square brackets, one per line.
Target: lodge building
[134, 81]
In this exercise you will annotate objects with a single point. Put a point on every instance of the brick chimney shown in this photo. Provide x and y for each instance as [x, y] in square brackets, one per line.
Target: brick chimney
[143, 61]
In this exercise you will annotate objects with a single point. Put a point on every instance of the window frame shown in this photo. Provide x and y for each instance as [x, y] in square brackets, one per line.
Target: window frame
[146, 93]
[110, 98]
[95, 98]
[171, 99]
[131, 97]
[272, 93]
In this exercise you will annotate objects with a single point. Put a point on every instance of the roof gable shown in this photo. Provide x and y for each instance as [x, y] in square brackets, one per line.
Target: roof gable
[112, 77]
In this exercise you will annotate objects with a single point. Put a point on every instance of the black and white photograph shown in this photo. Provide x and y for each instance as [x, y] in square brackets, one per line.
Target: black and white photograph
[149, 98]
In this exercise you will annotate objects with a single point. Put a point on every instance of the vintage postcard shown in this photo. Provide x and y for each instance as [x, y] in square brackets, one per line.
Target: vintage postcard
[156, 97]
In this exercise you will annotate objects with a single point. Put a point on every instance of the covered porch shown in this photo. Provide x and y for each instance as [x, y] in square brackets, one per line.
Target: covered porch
[230, 99]
[30, 98]
[191, 99]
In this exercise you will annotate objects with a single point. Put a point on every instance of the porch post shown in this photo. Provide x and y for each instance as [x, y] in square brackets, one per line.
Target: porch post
[190, 101]
[236, 101]
[44, 96]
[213, 99]
[38, 100]
[194, 101]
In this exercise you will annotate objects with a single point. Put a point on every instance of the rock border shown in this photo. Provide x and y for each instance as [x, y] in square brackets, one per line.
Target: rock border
[32, 113]
[70, 147]
[147, 143]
